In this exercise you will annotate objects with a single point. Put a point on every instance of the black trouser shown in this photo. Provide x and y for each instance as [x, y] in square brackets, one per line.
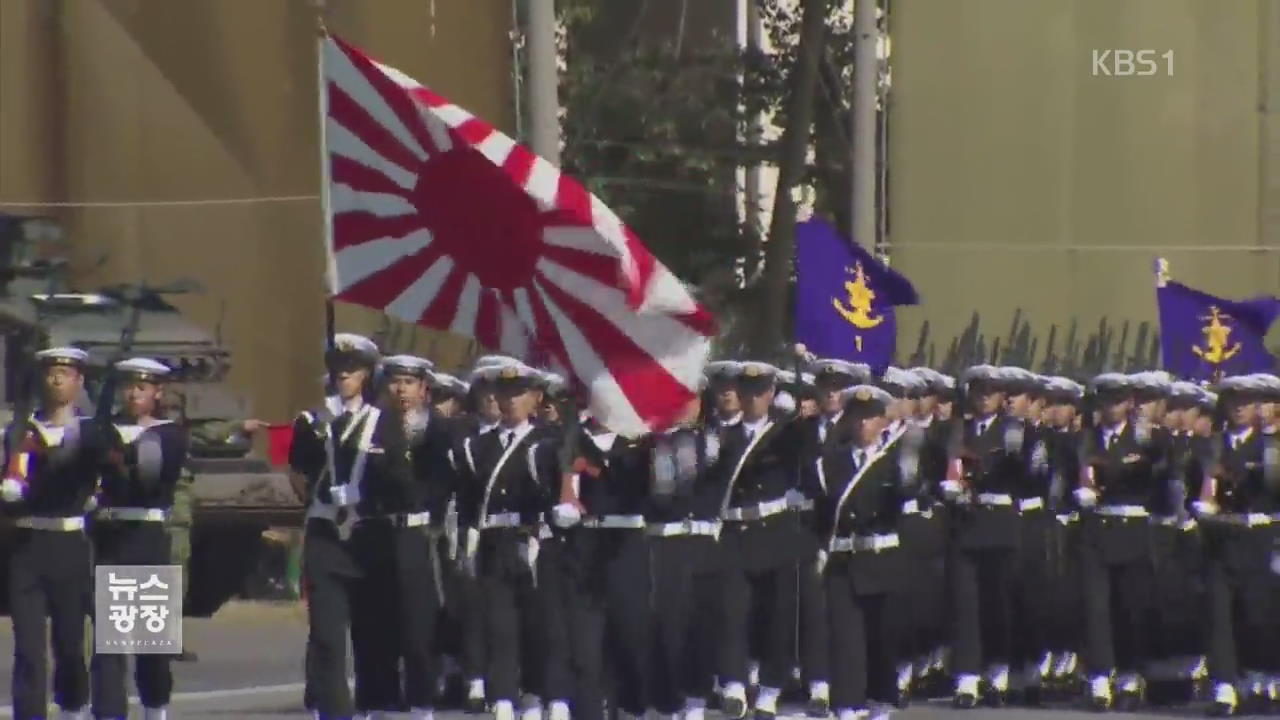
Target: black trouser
[50, 577]
[685, 595]
[1180, 599]
[1066, 597]
[130, 543]
[923, 601]
[609, 626]
[331, 577]
[399, 564]
[815, 633]
[982, 587]
[1117, 599]
[544, 637]
[1243, 629]
[768, 586]
[510, 604]
[1033, 585]
[864, 642]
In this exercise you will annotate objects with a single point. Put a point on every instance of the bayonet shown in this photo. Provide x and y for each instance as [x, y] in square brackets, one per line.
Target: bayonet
[1138, 358]
[1119, 361]
[1050, 360]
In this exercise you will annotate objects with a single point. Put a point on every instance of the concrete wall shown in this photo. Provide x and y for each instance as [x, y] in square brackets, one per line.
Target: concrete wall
[1015, 173]
[135, 100]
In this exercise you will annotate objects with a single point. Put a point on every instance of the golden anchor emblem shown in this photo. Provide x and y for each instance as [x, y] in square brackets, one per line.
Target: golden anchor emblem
[858, 313]
[1216, 337]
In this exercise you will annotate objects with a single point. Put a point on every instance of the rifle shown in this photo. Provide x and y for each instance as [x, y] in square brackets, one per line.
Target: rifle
[1136, 361]
[995, 350]
[1153, 360]
[1071, 351]
[106, 398]
[1124, 341]
[16, 436]
[1007, 358]
[1050, 359]
[918, 358]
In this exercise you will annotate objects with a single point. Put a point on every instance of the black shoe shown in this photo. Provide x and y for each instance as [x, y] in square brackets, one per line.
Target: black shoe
[1099, 704]
[964, 701]
[765, 715]
[187, 656]
[733, 708]
[901, 699]
[992, 697]
[818, 708]
[1128, 700]
[715, 701]
[474, 706]
[1032, 697]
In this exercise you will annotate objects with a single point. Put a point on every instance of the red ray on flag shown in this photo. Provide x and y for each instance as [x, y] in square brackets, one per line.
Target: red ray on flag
[440, 220]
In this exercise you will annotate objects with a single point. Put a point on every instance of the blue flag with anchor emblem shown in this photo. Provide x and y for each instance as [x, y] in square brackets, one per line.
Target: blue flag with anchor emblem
[1203, 337]
[845, 298]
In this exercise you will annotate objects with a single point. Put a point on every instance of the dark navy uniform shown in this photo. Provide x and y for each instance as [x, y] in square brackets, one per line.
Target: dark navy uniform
[137, 493]
[50, 570]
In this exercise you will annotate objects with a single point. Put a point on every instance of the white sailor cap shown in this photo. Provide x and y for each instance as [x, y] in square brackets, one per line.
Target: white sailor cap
[517, 373]
[902, 383]
[359, 347]
[807, 378]
[74, 357]
[495, 360]
[832, 368]
[866, 394]
[1017, 380]
[448, 384]
[1109, 381]
[721, 369]
[141, 368]
[1151, 381]
[785, 377]
[1267, 383]
[1208, 399]
[1183, 390]
[1063, 387]
[407, 365]
[979, 373]
[553, 383]
[1243, 384]
[756, 370]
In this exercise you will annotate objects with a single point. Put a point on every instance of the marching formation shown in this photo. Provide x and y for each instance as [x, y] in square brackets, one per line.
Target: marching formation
[1001, 537]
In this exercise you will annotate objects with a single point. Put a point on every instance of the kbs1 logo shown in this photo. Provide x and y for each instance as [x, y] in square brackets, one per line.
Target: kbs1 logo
[1132, 63]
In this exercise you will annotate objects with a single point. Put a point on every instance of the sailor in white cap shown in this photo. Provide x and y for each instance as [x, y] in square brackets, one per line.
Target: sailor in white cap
[504, 490]
[861, 560]
[725, 406]
[138, 483]
[51, 469]
[831, 377]
[449, 395]
[986, 478]
[1128, 460]
[760, 544]
[332, 451]
[396, 527]
[1243, 487]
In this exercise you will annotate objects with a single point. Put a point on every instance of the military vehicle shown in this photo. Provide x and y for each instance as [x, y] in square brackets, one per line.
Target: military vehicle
[238, 493]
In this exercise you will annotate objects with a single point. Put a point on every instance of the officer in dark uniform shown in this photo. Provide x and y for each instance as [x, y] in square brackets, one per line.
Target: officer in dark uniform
[136, 496]
[336, 450]
[608, 573]
[1237, 504]
[396, 535]
[1065, 609]
[508, 480]
[1126, 465]
[987, 483]
[760, 542]
[831, 378]
[449, 395]
[862, 561]
[46, 489]
[924, 531]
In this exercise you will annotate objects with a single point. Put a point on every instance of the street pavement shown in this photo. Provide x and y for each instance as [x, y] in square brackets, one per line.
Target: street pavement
[250, 668]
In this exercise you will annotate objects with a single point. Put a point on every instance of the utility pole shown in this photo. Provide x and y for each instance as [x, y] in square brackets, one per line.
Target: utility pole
[543, 85]
[752, 29]
[866, 72]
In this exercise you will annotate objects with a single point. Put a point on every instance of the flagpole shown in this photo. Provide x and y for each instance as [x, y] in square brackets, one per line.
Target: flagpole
[322, 139]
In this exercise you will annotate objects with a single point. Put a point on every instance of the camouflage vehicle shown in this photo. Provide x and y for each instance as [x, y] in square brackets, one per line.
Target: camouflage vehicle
[238, 494]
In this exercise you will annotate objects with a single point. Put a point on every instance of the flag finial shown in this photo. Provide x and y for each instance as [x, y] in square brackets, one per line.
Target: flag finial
[1162, 272]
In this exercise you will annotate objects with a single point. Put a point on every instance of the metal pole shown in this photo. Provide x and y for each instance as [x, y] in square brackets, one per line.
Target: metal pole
[544, 98]
[866, 70]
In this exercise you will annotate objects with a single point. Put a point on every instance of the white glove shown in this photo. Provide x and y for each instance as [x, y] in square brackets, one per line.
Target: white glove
[565, 515]
[795, 498]
[1086, 497]
[345, 495]
[470, 546]
[91, 504]
[951, 489]
[821, 563]
[529, 553]
[11, 490]
[1040, 459]
[1204, 508]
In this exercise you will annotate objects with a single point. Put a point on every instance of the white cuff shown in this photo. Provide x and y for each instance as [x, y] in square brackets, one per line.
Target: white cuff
[565, 515]
[1204, 508]
[952, 489]
[345, 495]
[11, 490]
[1086, 497]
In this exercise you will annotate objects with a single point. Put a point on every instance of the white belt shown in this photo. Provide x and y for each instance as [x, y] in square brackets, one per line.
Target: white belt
[864, 543]
[615, 522]
[1246, 519]
[1123, 511]
[55, 524]
[322, 511]
[502, 520]
[1068, 518]
[134, 514]
[1174, 521]
[1035, 503]
[709, 528]
[911, 507]
[802, 505]
[759, 511]
[417, 519]
[995, 499]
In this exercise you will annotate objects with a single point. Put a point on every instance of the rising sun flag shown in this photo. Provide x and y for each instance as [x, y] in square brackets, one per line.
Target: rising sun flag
[438, 219]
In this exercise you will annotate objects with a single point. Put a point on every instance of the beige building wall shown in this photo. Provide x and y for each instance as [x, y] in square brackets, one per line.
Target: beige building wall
[174, 100]
[1020, 179]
